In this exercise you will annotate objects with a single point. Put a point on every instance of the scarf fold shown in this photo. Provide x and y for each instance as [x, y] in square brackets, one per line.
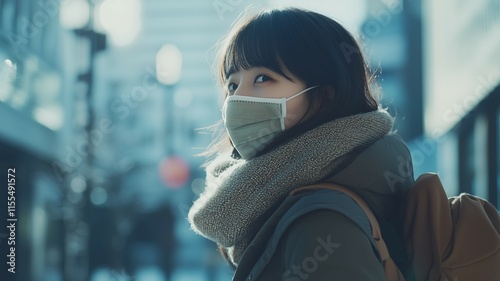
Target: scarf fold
[240, 194]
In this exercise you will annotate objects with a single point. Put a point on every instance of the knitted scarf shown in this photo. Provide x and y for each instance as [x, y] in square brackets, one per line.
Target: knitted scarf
[240, 195]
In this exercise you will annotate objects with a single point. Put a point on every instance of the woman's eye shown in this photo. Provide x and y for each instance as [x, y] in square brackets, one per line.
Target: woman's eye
[231, 87]
[262, 78]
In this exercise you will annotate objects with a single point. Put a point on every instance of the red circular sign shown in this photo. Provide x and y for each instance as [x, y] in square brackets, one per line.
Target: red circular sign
[174, 171]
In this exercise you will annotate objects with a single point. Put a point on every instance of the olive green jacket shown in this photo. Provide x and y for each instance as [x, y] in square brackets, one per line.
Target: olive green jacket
[324, 235]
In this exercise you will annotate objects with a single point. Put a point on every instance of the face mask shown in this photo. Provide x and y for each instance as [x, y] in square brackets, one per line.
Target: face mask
[253, 122]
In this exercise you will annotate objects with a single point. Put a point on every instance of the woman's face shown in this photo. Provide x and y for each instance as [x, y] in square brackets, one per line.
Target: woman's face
[265, 83]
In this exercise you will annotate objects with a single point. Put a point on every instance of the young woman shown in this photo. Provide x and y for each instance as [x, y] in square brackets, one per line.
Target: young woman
[299, 109]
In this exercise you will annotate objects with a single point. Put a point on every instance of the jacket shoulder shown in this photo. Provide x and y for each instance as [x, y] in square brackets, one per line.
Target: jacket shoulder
[314, 213]
[327, 245]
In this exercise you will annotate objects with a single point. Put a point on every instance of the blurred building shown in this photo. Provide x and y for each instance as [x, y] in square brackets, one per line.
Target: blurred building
[438, 65]
[38, 71]
[392, 39]
[462, 95]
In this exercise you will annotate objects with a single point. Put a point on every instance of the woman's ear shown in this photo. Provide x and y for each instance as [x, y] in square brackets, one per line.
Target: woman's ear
[330, 92]
[324, 97]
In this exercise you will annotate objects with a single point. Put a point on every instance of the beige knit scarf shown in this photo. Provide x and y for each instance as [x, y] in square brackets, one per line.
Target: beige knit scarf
[240, 194]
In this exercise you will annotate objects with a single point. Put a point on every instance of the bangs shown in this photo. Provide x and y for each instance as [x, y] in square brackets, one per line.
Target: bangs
[254, 45]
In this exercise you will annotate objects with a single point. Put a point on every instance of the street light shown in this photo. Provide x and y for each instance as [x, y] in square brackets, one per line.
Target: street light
[173, 170]
[168, 65]
[75, 15]
[168, 73]
[121, 19]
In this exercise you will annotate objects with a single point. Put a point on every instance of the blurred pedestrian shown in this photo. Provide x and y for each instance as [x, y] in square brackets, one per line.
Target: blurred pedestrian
[151, 244]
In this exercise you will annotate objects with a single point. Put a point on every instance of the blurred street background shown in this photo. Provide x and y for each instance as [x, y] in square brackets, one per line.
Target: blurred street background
[102, 101]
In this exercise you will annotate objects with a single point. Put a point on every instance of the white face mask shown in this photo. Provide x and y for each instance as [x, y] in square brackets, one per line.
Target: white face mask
[253, 122]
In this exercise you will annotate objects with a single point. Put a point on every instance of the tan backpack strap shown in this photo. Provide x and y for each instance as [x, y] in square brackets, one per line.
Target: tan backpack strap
[392, 273]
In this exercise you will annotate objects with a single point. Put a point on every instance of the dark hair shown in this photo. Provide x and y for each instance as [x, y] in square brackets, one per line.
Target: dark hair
[312, 47]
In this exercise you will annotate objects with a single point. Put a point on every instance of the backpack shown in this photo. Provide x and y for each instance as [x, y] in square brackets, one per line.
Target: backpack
[448, 239]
